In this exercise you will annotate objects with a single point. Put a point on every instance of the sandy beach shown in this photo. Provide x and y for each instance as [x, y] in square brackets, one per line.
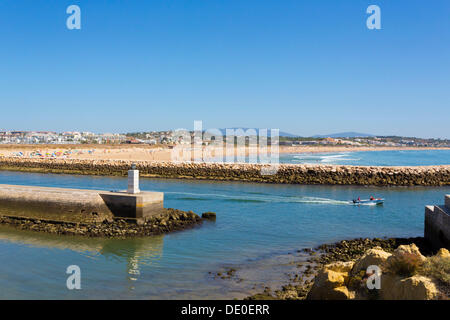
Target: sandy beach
[164, 153]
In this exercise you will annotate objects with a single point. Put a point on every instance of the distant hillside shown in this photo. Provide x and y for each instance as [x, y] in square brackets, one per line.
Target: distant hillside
[334, 135]
[344, 135]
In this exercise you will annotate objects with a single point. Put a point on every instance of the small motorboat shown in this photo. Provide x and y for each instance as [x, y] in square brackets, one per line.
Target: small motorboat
[368, 202]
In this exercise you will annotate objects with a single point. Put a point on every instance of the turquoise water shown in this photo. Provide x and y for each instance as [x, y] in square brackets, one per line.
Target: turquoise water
[373, 158]
[362, 158]
[258, 231]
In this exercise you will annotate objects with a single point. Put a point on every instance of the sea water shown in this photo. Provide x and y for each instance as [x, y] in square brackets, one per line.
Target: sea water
[258, 230]
[372, 158]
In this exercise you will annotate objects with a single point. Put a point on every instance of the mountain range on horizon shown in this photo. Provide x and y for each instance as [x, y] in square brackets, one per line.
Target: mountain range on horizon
[346, 134]
[349, 134]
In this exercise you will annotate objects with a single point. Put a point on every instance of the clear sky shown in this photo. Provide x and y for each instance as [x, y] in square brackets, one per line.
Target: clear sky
[305, 67]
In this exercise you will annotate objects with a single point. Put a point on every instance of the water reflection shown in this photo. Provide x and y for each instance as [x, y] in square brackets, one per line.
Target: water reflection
[132, 252]
[135, 252]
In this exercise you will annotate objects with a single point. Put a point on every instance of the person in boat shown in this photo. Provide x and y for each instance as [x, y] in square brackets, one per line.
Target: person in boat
[372, 198]
[358, 200]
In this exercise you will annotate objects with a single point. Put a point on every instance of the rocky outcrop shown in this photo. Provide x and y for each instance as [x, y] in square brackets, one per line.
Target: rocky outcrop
[341, 281]
[209, 215]
[334, 254]
[353, 250]
[411, 250]
[168, 221]
[331, 283]
[411, 288]
[376, 256]
[443, 253]
[284, 173]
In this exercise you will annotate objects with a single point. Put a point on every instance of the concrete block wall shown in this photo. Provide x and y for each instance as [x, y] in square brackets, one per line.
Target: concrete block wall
[77, 205]
[437, 225]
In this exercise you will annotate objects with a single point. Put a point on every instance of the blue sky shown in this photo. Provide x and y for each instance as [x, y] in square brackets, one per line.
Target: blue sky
[306, 67]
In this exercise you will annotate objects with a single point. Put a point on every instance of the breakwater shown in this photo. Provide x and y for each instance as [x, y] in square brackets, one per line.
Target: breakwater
[285, 173]
[168, 220]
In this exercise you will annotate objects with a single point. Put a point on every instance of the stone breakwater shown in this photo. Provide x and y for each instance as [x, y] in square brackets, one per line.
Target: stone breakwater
[168, 221]
[286, 173]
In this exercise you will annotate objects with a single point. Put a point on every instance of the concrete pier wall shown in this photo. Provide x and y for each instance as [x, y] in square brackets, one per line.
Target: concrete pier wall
[437, 224]
[77, 205]
[286, 173]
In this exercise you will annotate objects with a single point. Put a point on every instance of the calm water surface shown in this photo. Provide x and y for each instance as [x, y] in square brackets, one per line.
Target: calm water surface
[373, 158]
[258, 230]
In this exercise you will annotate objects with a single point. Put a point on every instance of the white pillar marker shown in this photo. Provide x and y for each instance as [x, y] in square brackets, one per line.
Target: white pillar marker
[133, 180]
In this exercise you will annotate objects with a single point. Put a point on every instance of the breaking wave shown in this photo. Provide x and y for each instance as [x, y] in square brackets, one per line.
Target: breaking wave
[324, 158]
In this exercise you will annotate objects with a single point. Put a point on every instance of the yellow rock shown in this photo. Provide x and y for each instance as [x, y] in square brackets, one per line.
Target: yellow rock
[375, 256]
[341, 293]
[419, 288]
[443, 253]
[333, 279]
[340, 266]
[412, 288]
[409, 249]
[325, 283]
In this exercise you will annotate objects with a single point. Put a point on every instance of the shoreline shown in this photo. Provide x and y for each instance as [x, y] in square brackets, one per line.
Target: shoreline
[342, 251]
[166, 153]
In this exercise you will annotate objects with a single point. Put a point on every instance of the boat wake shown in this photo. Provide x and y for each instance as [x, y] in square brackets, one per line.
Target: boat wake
[256, 198]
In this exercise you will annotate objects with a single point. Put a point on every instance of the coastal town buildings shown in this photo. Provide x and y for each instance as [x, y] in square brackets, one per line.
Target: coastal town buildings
[169, 138]
[68, 137]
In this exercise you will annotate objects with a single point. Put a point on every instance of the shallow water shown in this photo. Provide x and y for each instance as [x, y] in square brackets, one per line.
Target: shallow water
[258, 230]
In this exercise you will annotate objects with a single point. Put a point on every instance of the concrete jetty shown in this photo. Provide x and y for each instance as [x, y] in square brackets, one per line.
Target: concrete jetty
[79, 205]
[437, 224]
